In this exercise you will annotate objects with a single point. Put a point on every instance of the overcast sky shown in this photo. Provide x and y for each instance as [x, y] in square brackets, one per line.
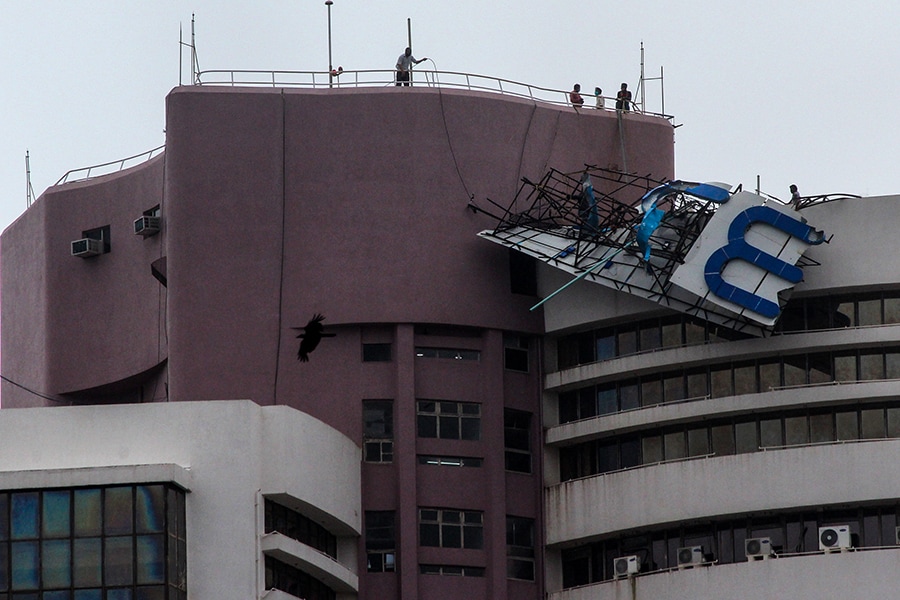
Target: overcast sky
[793, 91]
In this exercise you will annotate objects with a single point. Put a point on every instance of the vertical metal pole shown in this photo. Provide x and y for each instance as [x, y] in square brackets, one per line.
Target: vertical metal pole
[195, 77]
[180, 52]
[642, 85]
[757, 185]
[409, 32]
[328, 3]
[27, 180]
[662, 87]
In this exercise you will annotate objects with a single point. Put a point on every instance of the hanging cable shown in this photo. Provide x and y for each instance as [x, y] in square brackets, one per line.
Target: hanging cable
[469, 195]
[31, 391]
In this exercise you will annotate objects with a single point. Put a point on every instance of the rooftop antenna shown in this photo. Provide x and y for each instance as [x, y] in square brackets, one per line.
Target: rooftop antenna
[642, 85]
[29, 191]
[409, 32]
[195, 66]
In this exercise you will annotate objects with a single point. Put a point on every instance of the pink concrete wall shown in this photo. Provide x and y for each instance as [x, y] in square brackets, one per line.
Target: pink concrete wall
[71, 324]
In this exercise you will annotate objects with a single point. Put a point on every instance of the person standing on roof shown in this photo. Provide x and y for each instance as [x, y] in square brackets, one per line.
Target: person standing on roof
[404, 64]
[575, 96]
[598, 94]
[795, 196]
[623, 98]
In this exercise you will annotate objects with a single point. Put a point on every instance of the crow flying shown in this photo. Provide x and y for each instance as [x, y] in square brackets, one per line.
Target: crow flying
[311, 336]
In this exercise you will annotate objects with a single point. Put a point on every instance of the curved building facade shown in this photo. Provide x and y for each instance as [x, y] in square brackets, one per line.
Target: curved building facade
[684, 459]
[271, 206]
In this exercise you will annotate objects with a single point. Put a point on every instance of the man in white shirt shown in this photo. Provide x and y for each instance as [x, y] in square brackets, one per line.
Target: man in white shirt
[404, 64]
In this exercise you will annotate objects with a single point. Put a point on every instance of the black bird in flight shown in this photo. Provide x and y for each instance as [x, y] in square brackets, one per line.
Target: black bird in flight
[312, 334]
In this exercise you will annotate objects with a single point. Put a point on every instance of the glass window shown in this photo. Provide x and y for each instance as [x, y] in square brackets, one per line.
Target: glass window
[449, 420]
[821, 428]
[869, 312]
[871, 367]
[297, 526]
[820, 368]
[745, 379]
[90, 543]
[745, 437]
[447, 528]
[893, 422]
[626, 340]
[515, 352]
[722, 439]
[872, 423]
[380, 541]
[606, 345]
[845, 316]
[892, 365]
[607, 399]
[630, 452]
[674, 445]
[517, 439]
[694, 331]
[628, 396]
[651, 449]
[770, 433]
[769, 376]
[720, 383]
[698, 441]
[697, 384]
[520, 548]
[376, 352]
[378, 431]
[794, 370]
[673, 387]
[651, 337]
[796, 431]
[671, 333]
[845, 368]
[891, 311]
[651, 391]
[847, 425]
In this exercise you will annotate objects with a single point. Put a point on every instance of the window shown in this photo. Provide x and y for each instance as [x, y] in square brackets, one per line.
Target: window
[286, 578]
[378, 431]
[100, 233]
[376, 352]
[446, 528]
[520, 548]
[515, 352]
[450, 461]
[282, 519]
[381, 543]
[449, 420]
[119, 541]
[517, 439]
[452, 353]
[522, 273]
[451, 570]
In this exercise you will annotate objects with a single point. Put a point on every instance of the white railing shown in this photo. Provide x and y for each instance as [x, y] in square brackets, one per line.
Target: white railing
[114, 166]
[383, 78]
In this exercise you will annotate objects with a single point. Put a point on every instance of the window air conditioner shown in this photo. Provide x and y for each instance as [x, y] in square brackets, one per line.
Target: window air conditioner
[86, 247]
[690, 555]
[626, 566]
[758, 548]
[146, 226]
[834, 538]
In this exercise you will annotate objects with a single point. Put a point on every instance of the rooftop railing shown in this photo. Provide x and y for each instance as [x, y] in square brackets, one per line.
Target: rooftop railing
[418, 78]
[114, 166]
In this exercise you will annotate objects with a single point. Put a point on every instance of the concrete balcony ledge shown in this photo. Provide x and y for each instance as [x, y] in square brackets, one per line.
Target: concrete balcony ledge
[839, 575]
[775, 480]
[309, 560]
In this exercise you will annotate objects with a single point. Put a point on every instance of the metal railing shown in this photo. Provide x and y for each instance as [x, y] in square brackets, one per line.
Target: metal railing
[386, 78]
[114, 166]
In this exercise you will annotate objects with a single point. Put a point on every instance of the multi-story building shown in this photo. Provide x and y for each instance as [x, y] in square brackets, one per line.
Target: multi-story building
[443, 440]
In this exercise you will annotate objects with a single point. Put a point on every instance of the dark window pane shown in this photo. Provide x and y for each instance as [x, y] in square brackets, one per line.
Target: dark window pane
[515, 359]
[568, 407]
[471, 429]
[845, 368]
[651, 449]
[150, 509]
[87, 512]
[628, 396]
[869, 312]
[627, 342]
[720, 383]
[795, 431]
[151, 559]
[892, 365]
[117, 561]
[872, 423]
[671, 333]
[117, 511]
[25, 515]
[891, 311]
[451, 536]
[606, 345]
[429, 534]
[820, 368]
[607, 400]
[847, 425]
[427, 426]
[698, 441]
[794, 370]
[745, 379]
[473, 538]
[376, 352]
[745, 437]
[87, 562]
[821, 428]
[697, 384]
[630, 452]
[673, 388]
[893, 422]
[694, 332]
[845, 315]
[55, 522]
[607, 457]
[674, 445]
[651, 392]
[722, 440]
[650, 337]
[769, 376]
[871, 367]
[24, 565]
[770, 433]
[56, 561]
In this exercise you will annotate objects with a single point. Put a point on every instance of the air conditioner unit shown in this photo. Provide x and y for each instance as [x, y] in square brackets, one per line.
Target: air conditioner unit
[86, 247]
[146, 226]
[690, 556]
[626, 566]
[758, 548]
[834, 538]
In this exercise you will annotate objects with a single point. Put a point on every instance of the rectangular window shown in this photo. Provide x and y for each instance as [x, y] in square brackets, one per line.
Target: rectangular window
[376, 352]
[284, 577]
[520, 548]
[449, 420]
[447, 528]
[378, 431]
[125, 541]
[515, 352]
[517, 440]
[381, 542]
[451, 353]
[451, 570]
